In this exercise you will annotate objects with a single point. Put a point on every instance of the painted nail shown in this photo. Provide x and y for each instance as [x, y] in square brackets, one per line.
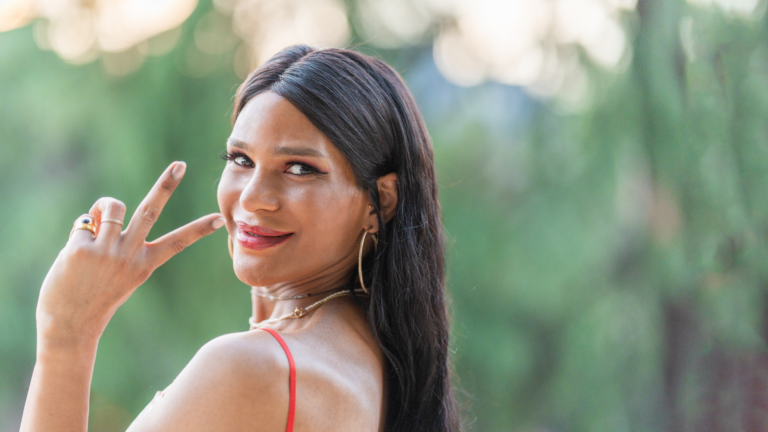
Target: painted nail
[218, 223]
[178, 170]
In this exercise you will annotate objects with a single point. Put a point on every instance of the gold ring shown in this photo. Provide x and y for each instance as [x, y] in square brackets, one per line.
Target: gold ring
[86, 222]
[114, 221]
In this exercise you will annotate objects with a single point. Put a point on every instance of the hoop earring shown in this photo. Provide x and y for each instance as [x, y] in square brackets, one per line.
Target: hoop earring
[360, 256]
[229, 245]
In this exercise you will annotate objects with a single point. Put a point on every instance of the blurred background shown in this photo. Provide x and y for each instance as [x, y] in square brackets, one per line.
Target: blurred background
[603, 169]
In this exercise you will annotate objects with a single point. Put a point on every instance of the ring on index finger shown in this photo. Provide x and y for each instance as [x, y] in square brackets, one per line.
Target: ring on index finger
[85, 222]
[114, 221]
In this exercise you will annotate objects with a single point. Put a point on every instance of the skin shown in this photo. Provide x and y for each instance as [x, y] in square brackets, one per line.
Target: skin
[237, 381]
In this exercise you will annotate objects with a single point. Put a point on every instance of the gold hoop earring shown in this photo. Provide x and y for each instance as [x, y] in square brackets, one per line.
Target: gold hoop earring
[360, 256]
[229, 245]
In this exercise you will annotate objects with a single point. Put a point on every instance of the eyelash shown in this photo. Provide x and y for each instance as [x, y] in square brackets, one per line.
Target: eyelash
[231, 156]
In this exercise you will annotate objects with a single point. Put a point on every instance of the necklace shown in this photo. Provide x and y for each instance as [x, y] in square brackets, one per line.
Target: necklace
[294, 297]
[300, 312]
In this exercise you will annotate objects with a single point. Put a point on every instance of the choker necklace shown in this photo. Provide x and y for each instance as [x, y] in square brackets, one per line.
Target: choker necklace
[295, 297]
[300, 312]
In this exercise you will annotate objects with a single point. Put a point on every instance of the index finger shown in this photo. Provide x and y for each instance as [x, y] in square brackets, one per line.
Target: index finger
[152, 205]
[162, 249]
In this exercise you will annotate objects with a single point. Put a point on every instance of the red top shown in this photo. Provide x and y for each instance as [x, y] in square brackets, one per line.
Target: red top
[291, 379]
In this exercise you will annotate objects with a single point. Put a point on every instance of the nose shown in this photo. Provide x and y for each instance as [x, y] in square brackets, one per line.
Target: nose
[262, 192]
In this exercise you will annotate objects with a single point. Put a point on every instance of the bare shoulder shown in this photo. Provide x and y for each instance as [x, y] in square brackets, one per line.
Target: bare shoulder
[235, 382]
[250, 356]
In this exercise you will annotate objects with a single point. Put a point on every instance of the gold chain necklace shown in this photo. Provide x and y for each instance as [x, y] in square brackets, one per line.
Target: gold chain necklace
[294, 297]
[300, 312]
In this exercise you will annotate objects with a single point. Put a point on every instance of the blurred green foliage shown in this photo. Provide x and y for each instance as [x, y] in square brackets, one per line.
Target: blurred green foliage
[608, 267]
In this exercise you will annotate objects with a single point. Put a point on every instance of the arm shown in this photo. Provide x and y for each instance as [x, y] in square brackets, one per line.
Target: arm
[58, 393]
[90, 279]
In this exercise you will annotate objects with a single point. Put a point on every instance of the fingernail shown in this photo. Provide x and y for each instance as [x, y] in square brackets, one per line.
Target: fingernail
[178, 170]
[218, 223]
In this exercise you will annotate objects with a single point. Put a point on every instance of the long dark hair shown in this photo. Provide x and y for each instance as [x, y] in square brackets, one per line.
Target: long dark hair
[365, 109]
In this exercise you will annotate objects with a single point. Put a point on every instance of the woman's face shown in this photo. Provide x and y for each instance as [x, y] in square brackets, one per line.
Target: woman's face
[293, 208]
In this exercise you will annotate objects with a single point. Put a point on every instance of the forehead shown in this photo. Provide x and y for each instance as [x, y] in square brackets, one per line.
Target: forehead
[269, 120]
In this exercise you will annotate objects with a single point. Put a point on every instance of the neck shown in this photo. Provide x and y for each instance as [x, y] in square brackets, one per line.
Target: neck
[265, 308]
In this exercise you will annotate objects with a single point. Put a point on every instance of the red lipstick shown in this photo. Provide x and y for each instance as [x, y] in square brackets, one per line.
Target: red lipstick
[259, 237]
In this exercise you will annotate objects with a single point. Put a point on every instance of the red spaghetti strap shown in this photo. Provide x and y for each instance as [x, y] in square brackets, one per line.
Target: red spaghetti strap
[291, 380]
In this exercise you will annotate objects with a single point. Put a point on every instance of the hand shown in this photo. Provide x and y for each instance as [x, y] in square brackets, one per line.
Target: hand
[93, 275]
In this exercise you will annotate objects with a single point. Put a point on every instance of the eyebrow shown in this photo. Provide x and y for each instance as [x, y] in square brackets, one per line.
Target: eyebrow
[282, 150]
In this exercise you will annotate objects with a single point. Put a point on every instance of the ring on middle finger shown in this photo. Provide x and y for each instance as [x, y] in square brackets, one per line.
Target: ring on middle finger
[114, 221]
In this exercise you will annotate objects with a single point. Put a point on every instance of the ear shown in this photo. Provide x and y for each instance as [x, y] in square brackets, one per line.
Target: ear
[388, 197]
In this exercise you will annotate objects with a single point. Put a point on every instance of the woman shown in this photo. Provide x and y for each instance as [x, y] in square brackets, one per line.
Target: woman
[330, 201]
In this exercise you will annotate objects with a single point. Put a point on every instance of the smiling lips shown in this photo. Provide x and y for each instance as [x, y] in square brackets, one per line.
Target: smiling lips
[258, 237]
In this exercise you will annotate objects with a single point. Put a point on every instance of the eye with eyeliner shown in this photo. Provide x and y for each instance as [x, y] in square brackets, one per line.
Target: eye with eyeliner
[234, 156]
[309, 168]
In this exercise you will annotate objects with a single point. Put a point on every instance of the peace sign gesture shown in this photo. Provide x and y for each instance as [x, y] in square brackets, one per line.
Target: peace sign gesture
[101, 266]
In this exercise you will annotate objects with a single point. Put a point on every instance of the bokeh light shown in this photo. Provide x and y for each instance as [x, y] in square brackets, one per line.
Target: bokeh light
[80, 31]
[534, 44]
[267, 26]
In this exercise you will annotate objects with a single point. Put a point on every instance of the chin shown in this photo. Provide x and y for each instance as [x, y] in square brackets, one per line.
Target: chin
[256, 272]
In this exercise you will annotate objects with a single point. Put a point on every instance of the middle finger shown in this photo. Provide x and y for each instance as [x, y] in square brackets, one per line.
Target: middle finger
[152, 205]
[107, 211]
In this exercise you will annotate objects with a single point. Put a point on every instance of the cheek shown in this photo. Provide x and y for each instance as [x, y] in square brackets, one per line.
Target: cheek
[330, 219]
[227, 193]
